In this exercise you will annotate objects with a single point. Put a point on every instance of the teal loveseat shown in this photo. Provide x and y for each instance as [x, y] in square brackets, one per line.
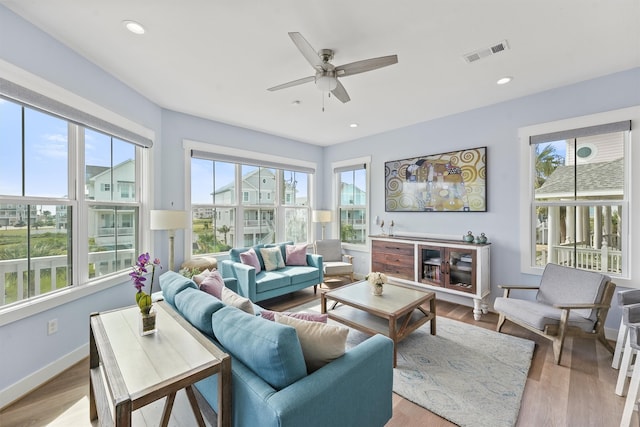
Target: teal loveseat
[269, 284]
[270, 385]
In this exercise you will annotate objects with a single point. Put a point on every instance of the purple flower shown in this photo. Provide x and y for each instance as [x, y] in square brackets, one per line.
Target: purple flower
[138, 277]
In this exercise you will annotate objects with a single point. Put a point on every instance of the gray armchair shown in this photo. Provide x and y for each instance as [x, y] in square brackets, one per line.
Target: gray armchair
[334, 262]
[567, 299]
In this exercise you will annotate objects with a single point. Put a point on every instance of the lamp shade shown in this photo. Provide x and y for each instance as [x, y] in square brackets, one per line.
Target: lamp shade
[321, 216]
[168, 220]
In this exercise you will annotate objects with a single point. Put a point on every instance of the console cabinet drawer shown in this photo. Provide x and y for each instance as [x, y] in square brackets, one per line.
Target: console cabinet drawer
[393, 259]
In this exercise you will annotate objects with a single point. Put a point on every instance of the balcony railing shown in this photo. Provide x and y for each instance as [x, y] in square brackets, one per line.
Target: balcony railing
[100, 264]
[605, 259]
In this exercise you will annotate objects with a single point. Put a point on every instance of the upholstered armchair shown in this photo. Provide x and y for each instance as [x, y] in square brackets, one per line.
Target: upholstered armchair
[567, 299]
[335, 263]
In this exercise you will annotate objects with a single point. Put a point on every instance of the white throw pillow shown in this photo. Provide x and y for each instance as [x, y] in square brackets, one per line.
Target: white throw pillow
[321, 343]
[231, 298]
[272, 258]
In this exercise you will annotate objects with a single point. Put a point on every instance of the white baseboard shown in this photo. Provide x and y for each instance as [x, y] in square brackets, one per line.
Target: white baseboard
[24, 386]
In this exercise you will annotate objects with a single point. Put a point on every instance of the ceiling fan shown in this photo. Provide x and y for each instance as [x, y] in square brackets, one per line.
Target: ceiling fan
[326, 77]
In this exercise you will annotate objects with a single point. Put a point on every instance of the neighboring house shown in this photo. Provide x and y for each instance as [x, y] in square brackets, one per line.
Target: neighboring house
[258, 193]
[599, 174]
[111, 184]
[13, 215]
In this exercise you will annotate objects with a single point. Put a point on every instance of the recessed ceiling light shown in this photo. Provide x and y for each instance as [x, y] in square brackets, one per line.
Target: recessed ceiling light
[353, 125]
[134, 27]
[504, 80]
[296, 103]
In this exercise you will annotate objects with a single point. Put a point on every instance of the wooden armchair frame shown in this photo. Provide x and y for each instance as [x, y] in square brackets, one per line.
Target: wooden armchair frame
[557, 332]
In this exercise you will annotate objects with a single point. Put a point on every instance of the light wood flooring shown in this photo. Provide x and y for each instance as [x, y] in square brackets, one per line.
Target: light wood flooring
[580, 392]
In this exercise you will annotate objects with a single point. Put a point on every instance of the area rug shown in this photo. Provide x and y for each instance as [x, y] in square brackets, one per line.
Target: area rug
[469, 375]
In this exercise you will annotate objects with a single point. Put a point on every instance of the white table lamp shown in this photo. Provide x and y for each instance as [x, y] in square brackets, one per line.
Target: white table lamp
[321, 216]
[171, 221]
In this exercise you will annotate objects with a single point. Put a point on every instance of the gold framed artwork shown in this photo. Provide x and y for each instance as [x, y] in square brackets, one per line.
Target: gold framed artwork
[447, 182]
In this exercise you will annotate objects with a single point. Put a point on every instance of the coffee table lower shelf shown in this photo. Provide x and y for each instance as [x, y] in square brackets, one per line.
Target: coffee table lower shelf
[395, 316]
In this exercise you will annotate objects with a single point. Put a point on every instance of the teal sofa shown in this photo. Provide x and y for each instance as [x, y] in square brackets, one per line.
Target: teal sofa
[270, 385]
[269, 284]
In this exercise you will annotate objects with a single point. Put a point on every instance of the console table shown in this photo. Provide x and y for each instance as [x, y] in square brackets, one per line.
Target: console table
[129, 371]
[448, 266]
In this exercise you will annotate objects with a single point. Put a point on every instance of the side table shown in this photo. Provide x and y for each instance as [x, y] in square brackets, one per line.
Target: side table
[129, 371]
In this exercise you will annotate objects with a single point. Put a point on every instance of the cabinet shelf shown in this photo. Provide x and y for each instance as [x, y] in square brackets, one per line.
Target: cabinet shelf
[448, 266]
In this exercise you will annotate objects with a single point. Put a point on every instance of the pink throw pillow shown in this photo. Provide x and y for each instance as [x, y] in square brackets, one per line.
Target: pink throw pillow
[213, 284]
[312, 317]
[251, 258]
[296, 254]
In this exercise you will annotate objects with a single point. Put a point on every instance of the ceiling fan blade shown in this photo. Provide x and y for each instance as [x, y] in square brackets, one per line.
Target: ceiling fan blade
[293, 83]
[365, 65]
[307, 50]
[341, 93]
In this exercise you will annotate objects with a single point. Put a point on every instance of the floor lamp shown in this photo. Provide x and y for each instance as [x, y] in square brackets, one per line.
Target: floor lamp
[321, 216]
[171, 221]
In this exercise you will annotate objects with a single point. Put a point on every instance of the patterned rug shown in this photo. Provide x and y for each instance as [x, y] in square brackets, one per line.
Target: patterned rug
[469, 375]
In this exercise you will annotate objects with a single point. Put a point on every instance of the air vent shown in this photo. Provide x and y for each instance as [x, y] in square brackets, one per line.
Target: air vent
[483, 53]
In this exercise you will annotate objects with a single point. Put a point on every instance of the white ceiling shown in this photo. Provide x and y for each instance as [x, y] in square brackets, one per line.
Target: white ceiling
[215, 59]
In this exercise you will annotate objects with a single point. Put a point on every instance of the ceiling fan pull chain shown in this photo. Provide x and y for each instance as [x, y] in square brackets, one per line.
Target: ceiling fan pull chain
[322, 101]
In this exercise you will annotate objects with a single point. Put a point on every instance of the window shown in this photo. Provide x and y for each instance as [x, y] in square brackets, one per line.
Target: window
[352, 203]
[49, 223]
[273, 204]
[579, 198]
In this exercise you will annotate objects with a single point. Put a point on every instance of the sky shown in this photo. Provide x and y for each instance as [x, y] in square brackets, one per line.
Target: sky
[46, 153]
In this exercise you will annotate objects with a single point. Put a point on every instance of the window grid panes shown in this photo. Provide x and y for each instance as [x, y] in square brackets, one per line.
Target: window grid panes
[579, 202]
[273, 205]
[38, 203]
[352, 205]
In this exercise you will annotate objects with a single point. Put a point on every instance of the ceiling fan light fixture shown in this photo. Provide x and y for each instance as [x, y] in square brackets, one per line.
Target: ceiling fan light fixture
[326, 83]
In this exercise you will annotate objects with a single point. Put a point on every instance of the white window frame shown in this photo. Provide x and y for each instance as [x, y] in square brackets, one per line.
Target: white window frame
[632, 193]
[30, 307]
[335, 223]
[248, 158]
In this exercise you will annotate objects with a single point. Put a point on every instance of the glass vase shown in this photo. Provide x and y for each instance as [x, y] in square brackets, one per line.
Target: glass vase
[376, 290]
[147, 323]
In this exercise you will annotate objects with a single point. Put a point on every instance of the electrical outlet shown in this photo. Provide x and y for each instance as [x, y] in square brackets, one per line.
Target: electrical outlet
[52, 326]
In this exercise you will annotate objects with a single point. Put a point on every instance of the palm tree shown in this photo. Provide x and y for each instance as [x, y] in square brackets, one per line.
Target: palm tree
[224, 230]
[547, 161]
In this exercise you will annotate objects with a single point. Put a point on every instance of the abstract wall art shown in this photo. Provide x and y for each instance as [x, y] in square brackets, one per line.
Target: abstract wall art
[448, 182]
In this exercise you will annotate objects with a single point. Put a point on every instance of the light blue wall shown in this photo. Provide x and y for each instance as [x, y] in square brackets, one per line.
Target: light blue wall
[177, 127]
[495, 127]
[24, 345]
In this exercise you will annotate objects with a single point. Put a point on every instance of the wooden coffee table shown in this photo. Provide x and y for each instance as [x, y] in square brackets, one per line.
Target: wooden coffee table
[395, 314]
[129, 371]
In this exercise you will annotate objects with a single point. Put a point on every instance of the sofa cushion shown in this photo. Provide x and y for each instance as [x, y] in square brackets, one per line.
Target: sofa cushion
[197, 307]
[538, 315]
[250, 257]
[268, 280]
[299, 274]
[312, 317]
[234, 254]
[568, 285]
[231, 298]
[199, 278]
[330, 249]
[213, 284]
[296, 254]
[173, 283]
[336, 268]
[272, 258]
[271, 350]
[321, 343]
